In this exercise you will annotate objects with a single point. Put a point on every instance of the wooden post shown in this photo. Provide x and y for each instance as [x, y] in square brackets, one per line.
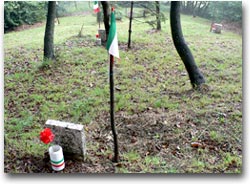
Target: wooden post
[112, 111]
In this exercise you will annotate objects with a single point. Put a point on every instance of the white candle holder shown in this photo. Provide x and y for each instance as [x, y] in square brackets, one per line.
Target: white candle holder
[56, 157]
[98, 41]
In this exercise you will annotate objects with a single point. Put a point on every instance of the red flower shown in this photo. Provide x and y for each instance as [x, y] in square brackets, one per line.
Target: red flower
[97, 35]
[47, 136]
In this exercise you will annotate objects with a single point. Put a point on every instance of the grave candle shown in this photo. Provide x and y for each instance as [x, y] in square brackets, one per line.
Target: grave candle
[56, 157]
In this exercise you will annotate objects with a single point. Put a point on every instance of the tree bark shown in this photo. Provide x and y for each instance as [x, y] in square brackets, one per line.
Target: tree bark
[196, 77]
[158, 18]
[49, 31]
[106, 13]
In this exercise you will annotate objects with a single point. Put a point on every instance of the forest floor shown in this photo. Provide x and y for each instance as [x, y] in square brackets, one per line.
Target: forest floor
[163, 125]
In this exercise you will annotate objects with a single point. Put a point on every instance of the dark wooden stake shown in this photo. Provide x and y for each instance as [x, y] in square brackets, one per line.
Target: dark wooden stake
[130, 25]
[112, 112]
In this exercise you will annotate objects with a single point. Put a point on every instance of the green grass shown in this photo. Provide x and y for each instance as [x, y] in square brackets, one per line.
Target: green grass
[150, 77]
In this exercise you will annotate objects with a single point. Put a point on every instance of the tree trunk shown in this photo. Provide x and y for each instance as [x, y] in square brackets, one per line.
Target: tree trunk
[196, 77]
[130, 25]
[158, 18]
[49, 31]
[106, 13]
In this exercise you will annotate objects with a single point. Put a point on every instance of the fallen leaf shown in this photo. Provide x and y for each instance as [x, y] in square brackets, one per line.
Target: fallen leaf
[110, 156]
[196, 145]
[165, 122]
[133, 140]
[117, 88]
[149, 108]
[178, 124]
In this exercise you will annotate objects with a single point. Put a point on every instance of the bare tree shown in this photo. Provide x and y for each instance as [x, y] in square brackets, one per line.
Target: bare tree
[184, 52]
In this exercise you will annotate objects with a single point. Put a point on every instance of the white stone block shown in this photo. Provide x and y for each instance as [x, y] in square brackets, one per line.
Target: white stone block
[69, 136]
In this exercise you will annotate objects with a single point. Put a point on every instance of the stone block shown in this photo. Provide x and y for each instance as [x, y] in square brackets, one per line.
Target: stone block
[102, 34]
[216, 28]
[69, 136]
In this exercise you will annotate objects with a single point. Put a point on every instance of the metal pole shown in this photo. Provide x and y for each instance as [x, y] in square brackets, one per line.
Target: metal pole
[112, 113]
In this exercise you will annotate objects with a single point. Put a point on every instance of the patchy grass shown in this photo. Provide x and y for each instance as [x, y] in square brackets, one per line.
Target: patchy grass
[158, 115]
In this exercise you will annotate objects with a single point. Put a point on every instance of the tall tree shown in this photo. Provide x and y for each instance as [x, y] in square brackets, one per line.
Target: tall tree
[158, 15]
[106, 13]
[196, 77]
[49, 31]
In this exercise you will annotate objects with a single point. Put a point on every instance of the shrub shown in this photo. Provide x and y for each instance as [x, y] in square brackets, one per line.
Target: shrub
[22, 12]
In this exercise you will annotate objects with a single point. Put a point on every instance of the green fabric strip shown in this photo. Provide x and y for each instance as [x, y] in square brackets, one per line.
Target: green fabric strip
[112, 30]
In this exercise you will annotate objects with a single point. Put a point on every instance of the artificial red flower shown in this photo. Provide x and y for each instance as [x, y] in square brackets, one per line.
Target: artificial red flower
[97, 35]
[47, 136]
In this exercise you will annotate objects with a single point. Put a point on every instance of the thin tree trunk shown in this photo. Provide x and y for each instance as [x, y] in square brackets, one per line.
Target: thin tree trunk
[106, 13]
[49, 31]
[158, 19]
[130, 25]
[196, 77]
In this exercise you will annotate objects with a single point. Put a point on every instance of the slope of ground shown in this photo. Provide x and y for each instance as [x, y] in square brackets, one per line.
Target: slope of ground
[163, 125]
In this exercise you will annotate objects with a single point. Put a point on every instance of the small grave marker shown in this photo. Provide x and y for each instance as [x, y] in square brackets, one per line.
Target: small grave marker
[216, 28]
[69, 136]
[102, 34]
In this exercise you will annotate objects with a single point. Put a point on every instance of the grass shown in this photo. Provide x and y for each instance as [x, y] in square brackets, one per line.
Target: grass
[152, 83]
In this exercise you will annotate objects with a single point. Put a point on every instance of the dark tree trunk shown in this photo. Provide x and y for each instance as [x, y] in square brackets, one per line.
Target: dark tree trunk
[130, 24]
[184, 52]
[106, 13]
[49, 31]
[158, 17]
